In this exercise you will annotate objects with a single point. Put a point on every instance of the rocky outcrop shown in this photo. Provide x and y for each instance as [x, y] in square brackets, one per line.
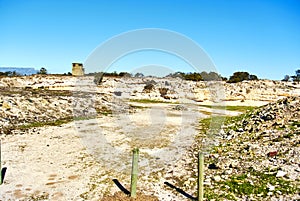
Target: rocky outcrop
[25, 108]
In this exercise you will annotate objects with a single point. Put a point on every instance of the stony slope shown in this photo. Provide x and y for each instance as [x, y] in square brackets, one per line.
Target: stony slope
[257, 156]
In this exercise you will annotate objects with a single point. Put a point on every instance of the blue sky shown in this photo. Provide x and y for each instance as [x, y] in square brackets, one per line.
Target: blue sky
[258, 36]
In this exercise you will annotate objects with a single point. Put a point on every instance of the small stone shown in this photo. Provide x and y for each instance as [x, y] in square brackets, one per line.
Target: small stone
[225, 177]
[207, 183]
[213, 166]
[228, 172]
[271, 188]
[240, 130]
[272, 153]
[217, 178]
[280, 173]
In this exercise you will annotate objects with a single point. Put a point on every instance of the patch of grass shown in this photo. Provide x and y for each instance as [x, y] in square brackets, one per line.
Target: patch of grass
[52, 123]
[231, 108]
[294, 125]
[151, 101]
[205, 112]
[288, 135]
[209, 194]
[138, 107]
[49, 123]
[215, 122]
[257, 183]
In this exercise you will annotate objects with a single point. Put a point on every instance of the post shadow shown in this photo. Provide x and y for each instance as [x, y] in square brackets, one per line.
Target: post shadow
[3, 171]
[121, 187]
[180, 191]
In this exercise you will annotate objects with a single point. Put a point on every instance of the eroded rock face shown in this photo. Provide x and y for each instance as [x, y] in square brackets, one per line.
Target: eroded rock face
[20, 108]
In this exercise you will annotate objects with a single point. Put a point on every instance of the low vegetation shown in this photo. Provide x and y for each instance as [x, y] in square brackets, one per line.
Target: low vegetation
[150, 101]
[241, 76]
[230, 108]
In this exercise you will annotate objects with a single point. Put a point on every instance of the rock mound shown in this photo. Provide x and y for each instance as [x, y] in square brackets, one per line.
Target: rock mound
[258, 155]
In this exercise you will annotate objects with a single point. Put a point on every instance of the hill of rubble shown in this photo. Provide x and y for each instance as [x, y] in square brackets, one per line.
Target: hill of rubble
[256, 156]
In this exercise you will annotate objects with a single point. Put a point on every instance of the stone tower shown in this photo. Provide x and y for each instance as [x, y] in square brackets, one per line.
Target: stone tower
[77, 69]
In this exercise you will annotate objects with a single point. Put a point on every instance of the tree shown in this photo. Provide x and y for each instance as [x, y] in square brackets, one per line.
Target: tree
[43, 71]
[211, 76]
[7, 73]
[241, 76]
[139, 75]
[296, 78]
[286, 78]
[176, 75]
[10, 73]
[193, 77]
[224, 78]
[124, 74]
[253, 77]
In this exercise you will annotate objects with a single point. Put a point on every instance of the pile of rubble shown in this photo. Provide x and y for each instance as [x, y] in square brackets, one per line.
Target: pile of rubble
[257, 156]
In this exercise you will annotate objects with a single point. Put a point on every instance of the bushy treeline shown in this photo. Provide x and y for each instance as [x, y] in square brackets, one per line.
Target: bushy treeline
[211, 76]
[112, 74]
[203, 76]
[9, 73]
[42, 71]
[193, 76]
[241, 76]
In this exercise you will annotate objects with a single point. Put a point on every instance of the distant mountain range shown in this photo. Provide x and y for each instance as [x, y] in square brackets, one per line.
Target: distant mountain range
[21, 70]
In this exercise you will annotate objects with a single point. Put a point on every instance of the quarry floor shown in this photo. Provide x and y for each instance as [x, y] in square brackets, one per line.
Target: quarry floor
[79, 160]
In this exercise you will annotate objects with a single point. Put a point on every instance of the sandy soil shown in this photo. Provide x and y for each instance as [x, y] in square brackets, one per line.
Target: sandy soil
[79, 160]
[44, 163]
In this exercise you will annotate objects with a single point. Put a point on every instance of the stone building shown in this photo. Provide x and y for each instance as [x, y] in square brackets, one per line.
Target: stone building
[77, 69]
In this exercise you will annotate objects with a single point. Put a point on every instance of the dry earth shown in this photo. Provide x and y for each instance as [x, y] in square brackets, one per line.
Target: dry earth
[79, 160]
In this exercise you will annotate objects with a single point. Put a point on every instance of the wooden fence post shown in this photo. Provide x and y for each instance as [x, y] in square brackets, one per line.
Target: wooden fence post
[134, 172]
[200, 175]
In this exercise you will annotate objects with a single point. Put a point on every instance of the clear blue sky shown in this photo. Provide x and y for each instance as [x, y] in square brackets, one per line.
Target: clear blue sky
[258, 36]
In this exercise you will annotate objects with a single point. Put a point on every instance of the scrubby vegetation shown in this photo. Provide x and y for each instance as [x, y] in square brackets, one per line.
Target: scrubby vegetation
[241, 76]
[194, 76]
